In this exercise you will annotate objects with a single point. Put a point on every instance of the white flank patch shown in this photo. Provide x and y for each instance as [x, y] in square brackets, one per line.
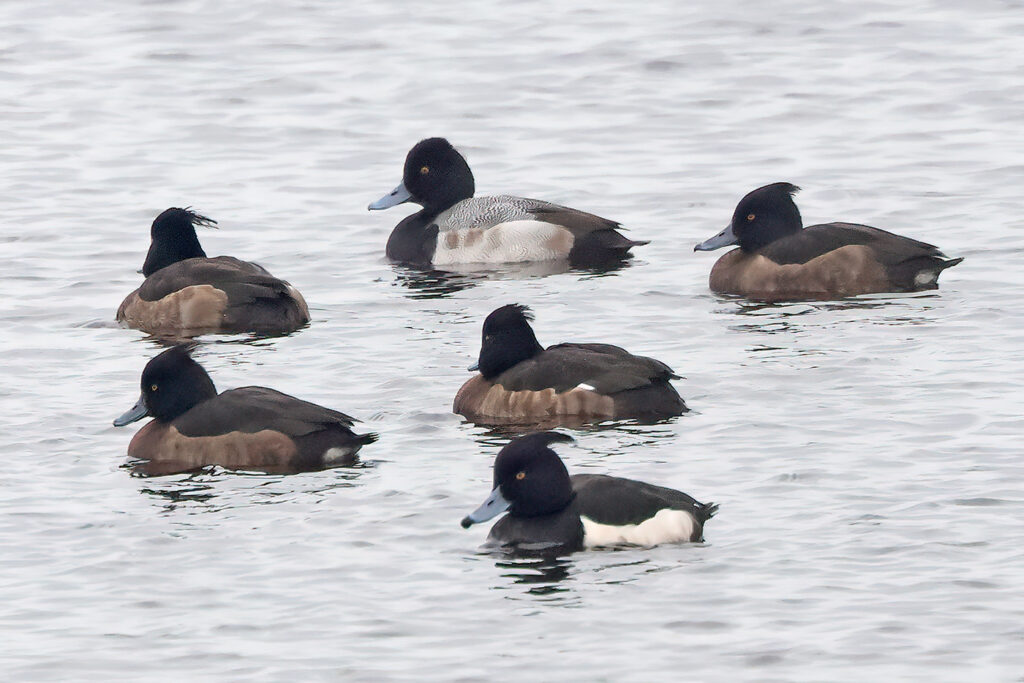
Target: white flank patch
[511, 242]
[585, 387]
[336, 456]
[926, 277]
[668, 526]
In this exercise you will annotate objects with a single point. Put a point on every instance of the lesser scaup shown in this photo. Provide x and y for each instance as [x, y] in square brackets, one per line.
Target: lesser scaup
[454, 227]
[779, 259]
[549, 510]
[522, 382]
[185, 293]
[250, 428]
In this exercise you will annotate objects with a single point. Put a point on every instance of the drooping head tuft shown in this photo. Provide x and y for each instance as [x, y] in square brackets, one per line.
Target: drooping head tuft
[507, 316]
[507, 340]
[788, 188]
[175, 220]
[173, 238]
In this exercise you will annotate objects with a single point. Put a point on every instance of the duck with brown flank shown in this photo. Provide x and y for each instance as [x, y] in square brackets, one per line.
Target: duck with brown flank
[250, 428]
[521, 382]
[187, 294]
[778, 259]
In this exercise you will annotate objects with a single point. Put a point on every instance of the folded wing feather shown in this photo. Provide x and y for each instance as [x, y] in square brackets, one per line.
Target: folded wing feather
[253, 409]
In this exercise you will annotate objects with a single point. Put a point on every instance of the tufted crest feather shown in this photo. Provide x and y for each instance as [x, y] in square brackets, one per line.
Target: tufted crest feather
[198, 219]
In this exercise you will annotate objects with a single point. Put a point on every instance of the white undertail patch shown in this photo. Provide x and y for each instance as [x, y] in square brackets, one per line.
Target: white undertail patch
[337, 456]
[668, 526]
[926, 278]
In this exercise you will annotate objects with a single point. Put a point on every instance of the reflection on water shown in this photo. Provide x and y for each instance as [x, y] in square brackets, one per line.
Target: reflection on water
[168, 339]
[868, 302]
[551, 573]
[173, 498]
[169, 466]
[544, 576]
[515, 426]
[214, 489]
[798, 318]
[629, 576]
[434, 283]
[628, 433]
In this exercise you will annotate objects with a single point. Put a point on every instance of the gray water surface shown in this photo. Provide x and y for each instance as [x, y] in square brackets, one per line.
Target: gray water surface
[866, 453]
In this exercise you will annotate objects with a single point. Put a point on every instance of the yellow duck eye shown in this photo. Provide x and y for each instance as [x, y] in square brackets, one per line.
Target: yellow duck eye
[152, 387]
[751, 216]
[424, 170]
[520, 476]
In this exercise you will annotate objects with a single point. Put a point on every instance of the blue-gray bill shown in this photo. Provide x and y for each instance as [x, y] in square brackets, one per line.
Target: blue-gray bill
[136, 412]
[397, 196]
[722, 239]
[474, 367]
[491, 508]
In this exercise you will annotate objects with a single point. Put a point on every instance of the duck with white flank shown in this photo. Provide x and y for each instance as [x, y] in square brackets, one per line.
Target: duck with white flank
[454, 227]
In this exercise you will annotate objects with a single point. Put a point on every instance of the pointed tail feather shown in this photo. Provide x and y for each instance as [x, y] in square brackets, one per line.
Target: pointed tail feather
[706, 511]
[950, 263]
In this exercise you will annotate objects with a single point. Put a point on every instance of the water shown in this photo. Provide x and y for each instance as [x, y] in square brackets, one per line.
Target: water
[866, 453]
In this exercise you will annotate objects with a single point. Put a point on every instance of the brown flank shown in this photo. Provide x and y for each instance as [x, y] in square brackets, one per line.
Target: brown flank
[166, 450]
[192, 309]
[847, 271]
[479, 398]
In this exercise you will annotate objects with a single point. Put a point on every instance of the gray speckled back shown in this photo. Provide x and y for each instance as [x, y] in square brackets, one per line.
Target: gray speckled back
[486, 212]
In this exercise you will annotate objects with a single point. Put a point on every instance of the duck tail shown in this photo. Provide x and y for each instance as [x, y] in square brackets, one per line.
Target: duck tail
[610, 240]
[706, 511]
[367, 438]
[949, 263]
[925, 272]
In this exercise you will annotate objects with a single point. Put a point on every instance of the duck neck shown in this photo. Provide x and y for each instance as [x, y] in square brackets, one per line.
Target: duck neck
[165, 250]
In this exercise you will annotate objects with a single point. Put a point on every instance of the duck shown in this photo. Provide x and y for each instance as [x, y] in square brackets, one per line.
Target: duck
[249, 428]
[778, 259]
[551, 510]
[185, 293]
[519, 381]
[455, 227]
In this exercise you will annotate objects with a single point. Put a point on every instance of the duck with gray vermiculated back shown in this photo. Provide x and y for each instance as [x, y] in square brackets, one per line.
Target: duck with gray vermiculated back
[778, 259]
[551, 511]
[521, 382]
[454, 227]
[186, 293]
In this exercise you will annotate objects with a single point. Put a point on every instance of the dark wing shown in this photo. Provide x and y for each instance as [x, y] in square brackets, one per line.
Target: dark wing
[617, 501]
[889, 249]
[590, 232]
[576, 221]
[608, 369]
[242, 281]
[253, 409]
